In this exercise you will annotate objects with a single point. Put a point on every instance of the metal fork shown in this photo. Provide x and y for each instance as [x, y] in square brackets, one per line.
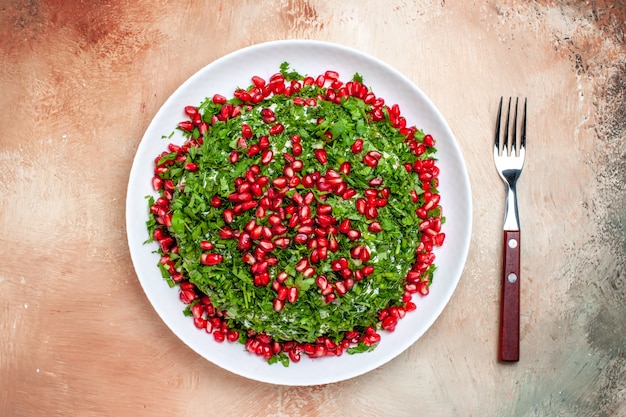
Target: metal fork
[508, 156]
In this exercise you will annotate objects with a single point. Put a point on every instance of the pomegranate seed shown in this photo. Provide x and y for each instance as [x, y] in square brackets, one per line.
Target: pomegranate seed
[348, 194]
[344, 226]
[266, 246]
[280, 182]
[361, 205]
[264, 142]
[191, 111]
[365, 254]
[246, 131]
[276, 129]
[206, 245]
[190, 166]
[439, 238]
[330, 298]
[324, 208]
[320, 155]
[258, 81]
[226, 233]
[267, 157]
[211, 258]
[357, 146]
[245, 242]
[331, 75]
[370, 161]
[228, 216]
[353, 234]
[253, 150]
[321, 282]
[375, 227]
[302, 265]
[186, 126]
[282, 292]
[219, 99]
[389, 323]
[219, 336]
[278, 305]
[232, 336]
[292, 295]
[333, 245]
[336, 266]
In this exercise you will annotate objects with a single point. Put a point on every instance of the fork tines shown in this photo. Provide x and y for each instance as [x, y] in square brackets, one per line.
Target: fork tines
[506, 142]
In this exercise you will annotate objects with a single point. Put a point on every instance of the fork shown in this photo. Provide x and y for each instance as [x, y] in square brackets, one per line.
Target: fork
[508, 156]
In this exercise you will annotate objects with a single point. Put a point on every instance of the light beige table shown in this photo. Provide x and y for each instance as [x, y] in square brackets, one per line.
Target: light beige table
[79, 83]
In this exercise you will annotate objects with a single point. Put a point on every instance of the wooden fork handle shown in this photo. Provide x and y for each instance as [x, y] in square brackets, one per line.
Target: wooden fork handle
[508, 349]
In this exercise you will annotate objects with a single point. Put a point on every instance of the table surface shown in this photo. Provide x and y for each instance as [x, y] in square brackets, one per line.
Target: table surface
[79, 84]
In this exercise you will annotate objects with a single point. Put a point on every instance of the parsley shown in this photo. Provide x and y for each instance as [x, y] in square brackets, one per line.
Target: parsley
[334, 126]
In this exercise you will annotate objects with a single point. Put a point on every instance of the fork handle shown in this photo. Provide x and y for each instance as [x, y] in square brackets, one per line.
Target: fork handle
[508, 349]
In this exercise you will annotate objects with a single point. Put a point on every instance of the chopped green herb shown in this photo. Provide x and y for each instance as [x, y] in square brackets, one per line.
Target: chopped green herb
[299, 216]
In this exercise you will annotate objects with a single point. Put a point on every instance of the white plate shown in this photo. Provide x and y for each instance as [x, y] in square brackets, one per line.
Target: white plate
[309, 58]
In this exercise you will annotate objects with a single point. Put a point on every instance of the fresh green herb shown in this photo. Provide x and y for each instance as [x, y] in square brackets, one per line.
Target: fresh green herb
[299, 217]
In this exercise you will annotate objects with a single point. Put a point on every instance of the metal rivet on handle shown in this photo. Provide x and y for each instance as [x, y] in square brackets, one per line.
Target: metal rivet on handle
[512, 243]
[512, 277]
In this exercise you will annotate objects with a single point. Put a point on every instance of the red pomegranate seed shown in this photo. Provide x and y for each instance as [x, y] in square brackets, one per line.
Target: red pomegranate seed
[365, 254]
[266, 245]
[246, 131]
[300, 238]
[219, 99]
[211, 258]
[344, 226]
[276, 129]
[320, 155]
[361, 205]
[206, 245]
[389, 323]
[228, 216]
[281, 292]
[439, 238]
[358, 275]
[336, 266]
[186, 126]
[375, 227]
[278, 305]
[282, 242]
[226, 233]
[280, 182]
[292, 294]
[267, 157]
[370, 161]
[258, 81]
[321, 282]
[245, 242]
[264, 142]
[367, 270]
[191, 111]
[353, 234]
[302, 265]
[357, 146]
[355, 252]
[331, 75]
[296, 149]
[410, 306]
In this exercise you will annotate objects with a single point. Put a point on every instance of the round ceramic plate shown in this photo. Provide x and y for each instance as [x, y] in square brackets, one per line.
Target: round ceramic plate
[309, 58]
